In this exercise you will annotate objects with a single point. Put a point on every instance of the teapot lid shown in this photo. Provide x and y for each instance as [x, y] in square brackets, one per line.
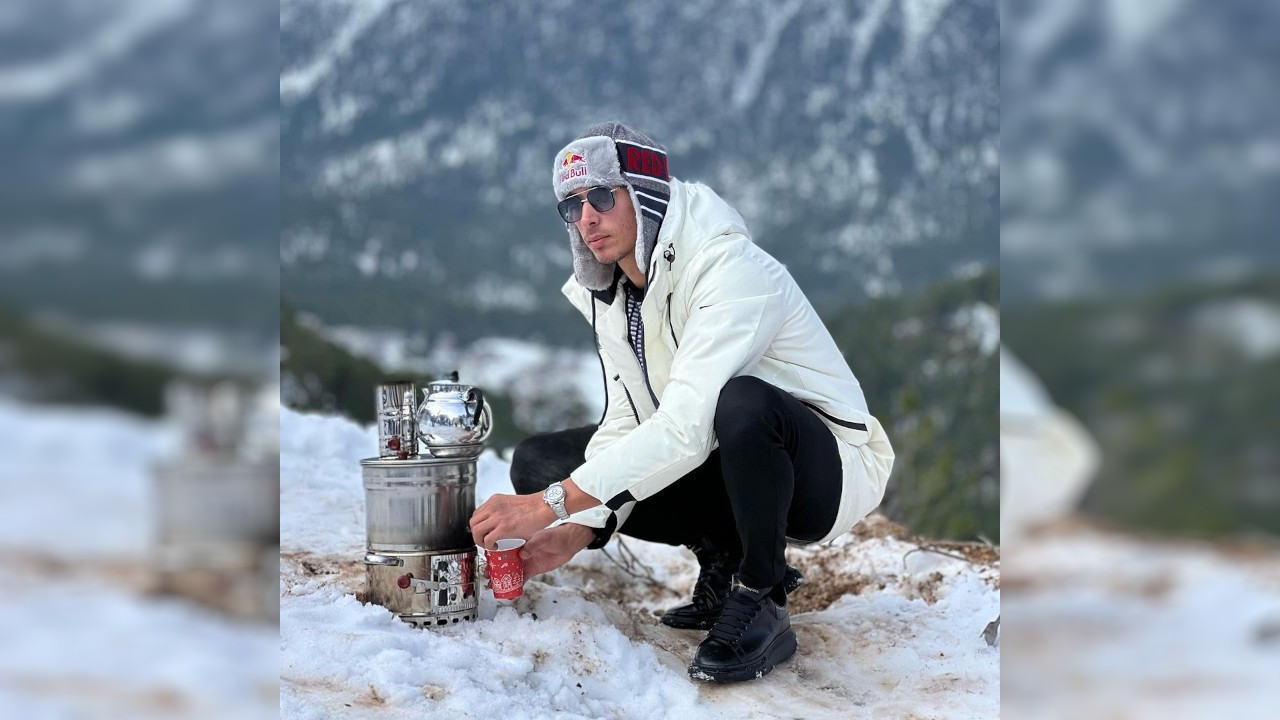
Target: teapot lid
[448, 384]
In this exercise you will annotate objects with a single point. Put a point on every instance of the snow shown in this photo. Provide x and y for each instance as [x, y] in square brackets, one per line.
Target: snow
[1134, 21]
[82, 638]
[749, 82]
[918, 19]
[863, 34]
[1250, 325]
[893, 631]
[1106, 625]
[296, 83]
[77, 475]
[981, 323]
[132, 23]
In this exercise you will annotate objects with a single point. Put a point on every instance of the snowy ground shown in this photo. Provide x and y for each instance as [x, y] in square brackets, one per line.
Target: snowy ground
[81, 638]
[885, 630]
[1102, 625]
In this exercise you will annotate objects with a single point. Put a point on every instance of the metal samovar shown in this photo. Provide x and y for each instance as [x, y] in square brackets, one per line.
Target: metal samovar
[420, 560]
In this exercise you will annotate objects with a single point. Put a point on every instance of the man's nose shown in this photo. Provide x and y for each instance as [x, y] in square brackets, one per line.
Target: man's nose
[589, 215]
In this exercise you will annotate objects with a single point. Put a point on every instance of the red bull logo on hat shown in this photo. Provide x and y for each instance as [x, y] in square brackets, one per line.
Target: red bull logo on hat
[573, 165]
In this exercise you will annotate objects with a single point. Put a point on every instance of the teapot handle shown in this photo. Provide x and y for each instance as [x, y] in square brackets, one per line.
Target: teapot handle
[476, 394]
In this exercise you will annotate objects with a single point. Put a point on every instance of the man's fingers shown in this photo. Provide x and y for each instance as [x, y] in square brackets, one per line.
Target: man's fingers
[480, 530]
[483, 523]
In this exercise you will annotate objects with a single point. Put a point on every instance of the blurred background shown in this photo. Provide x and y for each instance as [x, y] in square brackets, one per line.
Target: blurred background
[858, 139]
[139, 282]
[1140, 278]
[185, 179]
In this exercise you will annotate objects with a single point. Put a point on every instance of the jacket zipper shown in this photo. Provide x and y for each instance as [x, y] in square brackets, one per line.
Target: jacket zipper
[670, 325]
[644, 366]
[600, 356]
[630, 403]
[645, 372]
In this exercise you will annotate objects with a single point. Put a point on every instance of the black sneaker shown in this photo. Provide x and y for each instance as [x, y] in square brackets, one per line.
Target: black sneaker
[715, 573]
[752, 635]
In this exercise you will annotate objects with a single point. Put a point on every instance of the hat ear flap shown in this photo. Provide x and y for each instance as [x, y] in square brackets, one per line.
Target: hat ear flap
[644, 243]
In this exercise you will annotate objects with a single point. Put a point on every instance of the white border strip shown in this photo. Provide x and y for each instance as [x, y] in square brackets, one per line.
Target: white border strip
[651, 197]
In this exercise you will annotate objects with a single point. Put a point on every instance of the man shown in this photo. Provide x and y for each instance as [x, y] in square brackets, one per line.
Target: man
[732, 422]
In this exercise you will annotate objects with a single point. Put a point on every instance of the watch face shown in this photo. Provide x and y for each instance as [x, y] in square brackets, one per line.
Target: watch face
[555, 493]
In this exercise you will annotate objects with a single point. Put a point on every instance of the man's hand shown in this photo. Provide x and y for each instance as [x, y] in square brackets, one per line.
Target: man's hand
[509, 516]
[550, 548]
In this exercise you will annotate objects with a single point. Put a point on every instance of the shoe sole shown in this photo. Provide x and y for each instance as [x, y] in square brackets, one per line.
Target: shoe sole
[782, 648]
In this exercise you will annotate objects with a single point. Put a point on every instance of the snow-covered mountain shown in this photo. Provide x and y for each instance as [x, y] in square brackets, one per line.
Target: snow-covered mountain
[860, 141]
[140, 176]
[1139, 143]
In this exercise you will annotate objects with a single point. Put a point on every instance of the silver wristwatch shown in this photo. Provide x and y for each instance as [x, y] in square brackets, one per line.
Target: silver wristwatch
[554, 496]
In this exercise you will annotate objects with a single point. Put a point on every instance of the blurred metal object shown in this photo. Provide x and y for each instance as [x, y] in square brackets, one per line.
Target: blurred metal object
[217, 501]
[453, 414]
[211, 413]
[421, 560]
[397, 436]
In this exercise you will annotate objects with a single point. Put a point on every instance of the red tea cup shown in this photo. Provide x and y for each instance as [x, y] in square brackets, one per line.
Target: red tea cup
[506, 569]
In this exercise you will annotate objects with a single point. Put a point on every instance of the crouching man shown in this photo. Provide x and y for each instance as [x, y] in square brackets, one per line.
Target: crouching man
[733, 424]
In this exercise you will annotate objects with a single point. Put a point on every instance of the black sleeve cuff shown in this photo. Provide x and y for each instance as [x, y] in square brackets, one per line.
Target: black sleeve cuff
[603, 534]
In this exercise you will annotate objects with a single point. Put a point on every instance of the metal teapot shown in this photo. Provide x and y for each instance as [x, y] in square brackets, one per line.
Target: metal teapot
[453, 414]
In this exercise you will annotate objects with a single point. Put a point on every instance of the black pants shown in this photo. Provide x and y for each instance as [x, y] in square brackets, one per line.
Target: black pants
[776, 474]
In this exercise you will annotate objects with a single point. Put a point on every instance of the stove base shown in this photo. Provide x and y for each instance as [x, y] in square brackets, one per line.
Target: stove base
[425, 621]
[425, 589]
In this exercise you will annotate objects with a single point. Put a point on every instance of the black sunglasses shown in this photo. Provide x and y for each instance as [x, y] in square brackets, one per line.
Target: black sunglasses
[600, 197]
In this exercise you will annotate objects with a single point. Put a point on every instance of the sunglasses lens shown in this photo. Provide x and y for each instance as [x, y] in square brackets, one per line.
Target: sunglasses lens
[601, 198]
[570, 209]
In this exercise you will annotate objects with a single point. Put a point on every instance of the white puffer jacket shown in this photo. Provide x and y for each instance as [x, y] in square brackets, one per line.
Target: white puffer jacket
[716, 306]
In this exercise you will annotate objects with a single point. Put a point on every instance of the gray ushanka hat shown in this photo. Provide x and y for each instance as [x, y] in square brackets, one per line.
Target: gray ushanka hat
[612, 154]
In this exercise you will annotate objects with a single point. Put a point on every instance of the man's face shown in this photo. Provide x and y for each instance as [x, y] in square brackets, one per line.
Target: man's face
[609, 235]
